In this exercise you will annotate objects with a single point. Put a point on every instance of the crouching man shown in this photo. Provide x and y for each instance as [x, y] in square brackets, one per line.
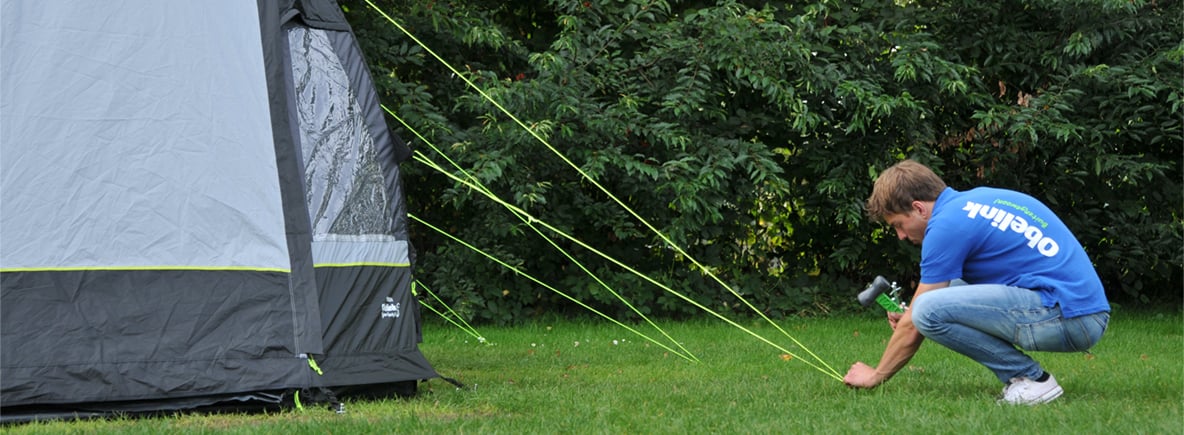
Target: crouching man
[1000, 275]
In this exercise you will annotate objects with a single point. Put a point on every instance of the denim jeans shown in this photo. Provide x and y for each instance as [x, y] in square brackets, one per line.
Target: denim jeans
[988, 322]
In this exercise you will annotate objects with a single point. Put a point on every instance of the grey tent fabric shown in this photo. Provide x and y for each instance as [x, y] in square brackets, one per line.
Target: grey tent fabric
[84, 140]
[183, 224]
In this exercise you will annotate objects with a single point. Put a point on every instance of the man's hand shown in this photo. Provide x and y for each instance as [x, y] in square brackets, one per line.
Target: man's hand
[862, 376]
[893, 318]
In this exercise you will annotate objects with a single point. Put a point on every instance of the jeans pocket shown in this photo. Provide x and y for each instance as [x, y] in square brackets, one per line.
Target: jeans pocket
[1062, 335]
[1045, 335]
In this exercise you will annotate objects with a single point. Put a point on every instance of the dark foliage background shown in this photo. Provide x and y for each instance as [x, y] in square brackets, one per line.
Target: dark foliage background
[749, 132]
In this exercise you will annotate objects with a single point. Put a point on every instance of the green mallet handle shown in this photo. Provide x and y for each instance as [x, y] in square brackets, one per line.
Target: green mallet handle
[889, 304]
[884, 293]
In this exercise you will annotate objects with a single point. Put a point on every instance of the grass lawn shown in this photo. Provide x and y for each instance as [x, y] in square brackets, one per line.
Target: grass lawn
[595, 377]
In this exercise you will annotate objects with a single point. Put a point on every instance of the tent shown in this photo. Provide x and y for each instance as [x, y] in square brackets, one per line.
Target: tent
[200, 206]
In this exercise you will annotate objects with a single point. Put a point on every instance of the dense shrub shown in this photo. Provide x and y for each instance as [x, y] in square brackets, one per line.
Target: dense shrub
[748, 134]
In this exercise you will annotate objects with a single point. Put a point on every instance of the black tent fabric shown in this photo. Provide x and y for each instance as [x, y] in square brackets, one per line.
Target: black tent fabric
[360, 235]
[195, 201]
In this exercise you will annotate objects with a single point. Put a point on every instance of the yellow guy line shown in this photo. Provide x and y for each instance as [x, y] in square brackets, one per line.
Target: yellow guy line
[591, 180]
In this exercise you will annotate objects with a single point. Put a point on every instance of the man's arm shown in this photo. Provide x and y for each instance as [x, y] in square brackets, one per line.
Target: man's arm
[901, 347]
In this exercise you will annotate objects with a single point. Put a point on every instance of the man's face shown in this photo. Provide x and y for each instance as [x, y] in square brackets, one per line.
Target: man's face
[909, 225]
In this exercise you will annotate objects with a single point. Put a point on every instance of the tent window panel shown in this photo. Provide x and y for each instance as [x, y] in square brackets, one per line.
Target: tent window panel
[343, 175]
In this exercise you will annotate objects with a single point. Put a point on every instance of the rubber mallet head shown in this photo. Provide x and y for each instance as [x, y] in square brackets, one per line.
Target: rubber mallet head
[877, 288]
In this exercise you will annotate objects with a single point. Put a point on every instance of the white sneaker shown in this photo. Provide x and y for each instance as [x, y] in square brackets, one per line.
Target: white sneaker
[1024, 391]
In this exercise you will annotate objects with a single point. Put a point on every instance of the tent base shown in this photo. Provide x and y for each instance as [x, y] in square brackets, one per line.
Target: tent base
[217, 404]
[237, 403]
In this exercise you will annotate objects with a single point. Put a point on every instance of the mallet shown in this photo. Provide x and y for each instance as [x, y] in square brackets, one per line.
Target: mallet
[884, 293]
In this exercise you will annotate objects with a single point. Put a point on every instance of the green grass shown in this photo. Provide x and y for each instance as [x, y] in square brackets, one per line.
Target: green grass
[536, 379]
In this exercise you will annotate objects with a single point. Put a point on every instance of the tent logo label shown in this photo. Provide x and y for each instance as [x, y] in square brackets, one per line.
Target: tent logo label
[390, 308]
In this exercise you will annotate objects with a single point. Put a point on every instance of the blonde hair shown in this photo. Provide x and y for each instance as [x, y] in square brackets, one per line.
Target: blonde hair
[898, 186]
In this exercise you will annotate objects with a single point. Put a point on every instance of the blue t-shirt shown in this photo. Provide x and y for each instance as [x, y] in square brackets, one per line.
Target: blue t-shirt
[997, 236]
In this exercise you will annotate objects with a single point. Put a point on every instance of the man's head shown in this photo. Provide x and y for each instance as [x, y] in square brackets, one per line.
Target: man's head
[903, 197]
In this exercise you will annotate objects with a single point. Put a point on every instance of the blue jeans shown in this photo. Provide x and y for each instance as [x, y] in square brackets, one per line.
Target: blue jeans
[988, 322]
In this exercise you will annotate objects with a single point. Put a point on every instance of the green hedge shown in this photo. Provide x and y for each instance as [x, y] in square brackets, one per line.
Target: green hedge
[749, 133]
